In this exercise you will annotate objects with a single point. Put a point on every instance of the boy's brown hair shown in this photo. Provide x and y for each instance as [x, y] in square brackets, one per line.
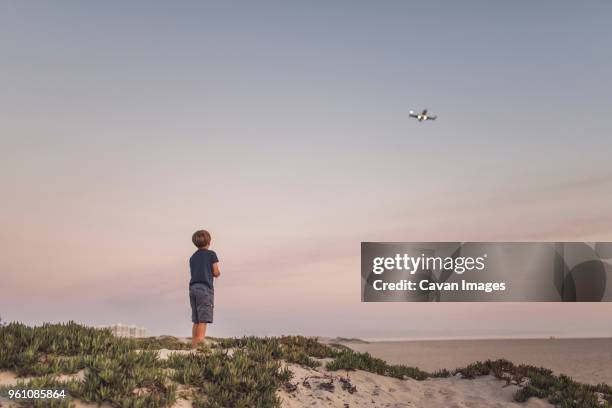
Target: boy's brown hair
[201, 238]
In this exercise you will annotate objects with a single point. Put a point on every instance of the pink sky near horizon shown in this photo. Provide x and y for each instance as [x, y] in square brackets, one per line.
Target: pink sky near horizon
[276, 280]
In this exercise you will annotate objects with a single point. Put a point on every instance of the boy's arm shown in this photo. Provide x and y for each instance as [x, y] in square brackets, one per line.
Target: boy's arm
[215, 270]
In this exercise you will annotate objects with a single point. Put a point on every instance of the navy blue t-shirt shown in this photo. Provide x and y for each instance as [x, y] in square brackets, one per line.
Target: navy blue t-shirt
[200, 264]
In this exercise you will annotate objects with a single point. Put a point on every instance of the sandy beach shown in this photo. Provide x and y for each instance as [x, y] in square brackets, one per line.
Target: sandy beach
[585, 360]
[371, 390]
[378, 391]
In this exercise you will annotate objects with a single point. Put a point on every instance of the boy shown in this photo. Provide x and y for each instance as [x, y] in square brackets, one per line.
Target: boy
[204, 266]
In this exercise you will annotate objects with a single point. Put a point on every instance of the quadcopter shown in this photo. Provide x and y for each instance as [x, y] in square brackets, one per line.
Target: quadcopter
[421, 116]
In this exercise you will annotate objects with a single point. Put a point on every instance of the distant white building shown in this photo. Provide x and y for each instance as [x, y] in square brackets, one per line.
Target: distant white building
[124, 330]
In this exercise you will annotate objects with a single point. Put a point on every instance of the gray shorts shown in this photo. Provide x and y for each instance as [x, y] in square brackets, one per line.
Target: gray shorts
[202, 299]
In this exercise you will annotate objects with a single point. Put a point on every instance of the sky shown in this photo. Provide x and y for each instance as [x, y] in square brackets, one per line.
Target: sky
[283, 128]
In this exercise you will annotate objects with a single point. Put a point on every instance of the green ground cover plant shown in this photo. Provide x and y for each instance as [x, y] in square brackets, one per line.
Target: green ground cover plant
[237, 373]
[539, 382]
[347, 359]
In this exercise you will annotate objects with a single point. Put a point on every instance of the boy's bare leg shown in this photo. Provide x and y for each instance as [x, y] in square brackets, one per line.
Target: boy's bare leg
[202, 331]
[194, 335]
[198, 333]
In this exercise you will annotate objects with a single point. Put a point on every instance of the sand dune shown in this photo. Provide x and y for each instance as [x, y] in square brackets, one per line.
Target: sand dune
[373, 390]
[378, 391]
[585, 360]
